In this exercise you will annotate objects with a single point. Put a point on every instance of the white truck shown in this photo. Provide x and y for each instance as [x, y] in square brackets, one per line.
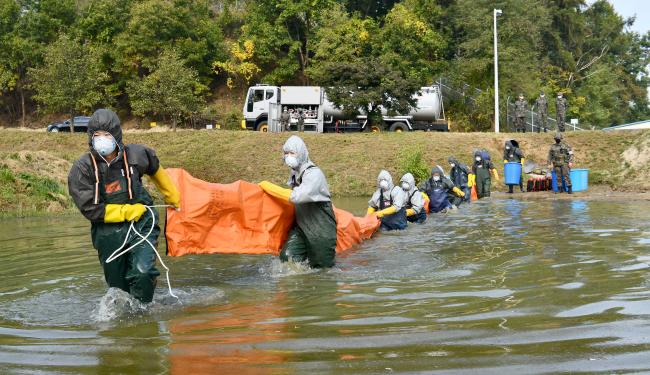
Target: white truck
[264, 103]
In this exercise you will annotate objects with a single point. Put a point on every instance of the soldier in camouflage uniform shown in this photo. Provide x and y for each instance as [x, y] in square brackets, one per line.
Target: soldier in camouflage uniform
[542, 112]
[520, 112]
[560, 158]
[560, 111]
[285, 120]
[301, 120]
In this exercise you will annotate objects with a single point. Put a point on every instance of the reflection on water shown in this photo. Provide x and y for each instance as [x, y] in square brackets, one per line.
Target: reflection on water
[500, 286]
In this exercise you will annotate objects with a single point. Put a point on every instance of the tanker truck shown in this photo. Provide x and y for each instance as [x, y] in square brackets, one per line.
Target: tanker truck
[264, 104]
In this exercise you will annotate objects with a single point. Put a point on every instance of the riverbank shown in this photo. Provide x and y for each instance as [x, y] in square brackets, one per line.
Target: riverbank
[34, 164]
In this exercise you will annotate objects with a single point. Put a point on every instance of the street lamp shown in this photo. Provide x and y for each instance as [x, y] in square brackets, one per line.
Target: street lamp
[497, 12]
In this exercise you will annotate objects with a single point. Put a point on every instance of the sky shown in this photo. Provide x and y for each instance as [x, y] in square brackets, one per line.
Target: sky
[630, 8]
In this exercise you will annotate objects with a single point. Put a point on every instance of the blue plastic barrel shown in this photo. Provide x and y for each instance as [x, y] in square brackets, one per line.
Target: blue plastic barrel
[512, 173]
[579, 180]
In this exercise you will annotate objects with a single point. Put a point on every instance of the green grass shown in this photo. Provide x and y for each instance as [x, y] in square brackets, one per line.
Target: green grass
[23, 194]
[350, 161]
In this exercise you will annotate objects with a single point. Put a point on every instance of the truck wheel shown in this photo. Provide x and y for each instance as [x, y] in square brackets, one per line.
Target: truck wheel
[263, 127]
[375, 129]
[399, 127]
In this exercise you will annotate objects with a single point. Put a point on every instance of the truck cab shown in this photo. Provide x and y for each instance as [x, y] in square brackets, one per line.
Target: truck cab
[256, 107]
[264, 104]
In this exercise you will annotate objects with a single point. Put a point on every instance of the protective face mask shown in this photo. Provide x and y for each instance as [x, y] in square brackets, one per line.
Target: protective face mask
[406, 186]
[507, 147]
[104, 145]
[291, 161]
[478, 158]
[383, 184]
[436, 178]
[453, 165]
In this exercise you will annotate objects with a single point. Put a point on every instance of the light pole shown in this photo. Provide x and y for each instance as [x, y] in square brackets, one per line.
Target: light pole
[497, 12]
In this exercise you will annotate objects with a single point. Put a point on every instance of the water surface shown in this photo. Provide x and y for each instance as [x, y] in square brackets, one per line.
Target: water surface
[501, 286]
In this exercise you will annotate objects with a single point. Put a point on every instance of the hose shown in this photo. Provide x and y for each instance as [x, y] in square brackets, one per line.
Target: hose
[119, 251]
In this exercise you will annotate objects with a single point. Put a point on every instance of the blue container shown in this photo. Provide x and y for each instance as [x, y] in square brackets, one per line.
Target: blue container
[579, 180]
[512, 173]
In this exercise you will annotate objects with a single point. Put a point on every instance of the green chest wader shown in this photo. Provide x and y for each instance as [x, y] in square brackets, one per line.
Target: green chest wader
[483, 182]
[134, 272]
[313, 237]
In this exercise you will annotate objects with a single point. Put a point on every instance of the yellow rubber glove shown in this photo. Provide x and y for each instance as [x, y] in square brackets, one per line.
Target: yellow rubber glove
[458, 192]
[119, 213]
[410, 212]
[495, 173]
[523, 161]
[386, 211]
[371, 210]
[166, 187]
[505, 161]
[275, 190]
[471, 179]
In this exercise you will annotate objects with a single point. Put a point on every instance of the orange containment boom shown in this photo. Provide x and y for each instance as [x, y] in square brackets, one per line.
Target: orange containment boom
[240, 218]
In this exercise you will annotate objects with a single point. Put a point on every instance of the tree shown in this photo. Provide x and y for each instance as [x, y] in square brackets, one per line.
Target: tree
[27, 28]
[366, 67]
[188, 26]
[70, 79]
[239, 68]
[283, 33]
[172, 89]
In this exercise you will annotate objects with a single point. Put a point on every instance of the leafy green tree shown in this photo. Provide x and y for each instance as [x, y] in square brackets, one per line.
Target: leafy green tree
[172, 89]
[187, 26]
[28, 26]
[410, 44]
[365, 67]
[283, 33]
[520, 30]
[70, 79]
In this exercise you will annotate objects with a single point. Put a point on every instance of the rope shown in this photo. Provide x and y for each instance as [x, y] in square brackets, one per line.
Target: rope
[119, 252]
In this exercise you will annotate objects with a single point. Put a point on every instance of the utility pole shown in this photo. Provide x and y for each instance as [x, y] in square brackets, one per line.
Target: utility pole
[497, 12]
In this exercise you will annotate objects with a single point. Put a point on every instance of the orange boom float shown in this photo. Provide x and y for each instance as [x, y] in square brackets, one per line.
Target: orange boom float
[240, 218]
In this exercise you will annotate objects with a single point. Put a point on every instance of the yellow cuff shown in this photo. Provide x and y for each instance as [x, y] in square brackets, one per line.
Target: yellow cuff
[275, 190]
[504, 161]
[458, 192]
[410, 212]
[523, 161]
[371, 210]
[495, 173]
[118, 213]
[166, 187]
[387, 211]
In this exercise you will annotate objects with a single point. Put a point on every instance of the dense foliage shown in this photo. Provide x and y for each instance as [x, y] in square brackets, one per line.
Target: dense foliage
[167, 58]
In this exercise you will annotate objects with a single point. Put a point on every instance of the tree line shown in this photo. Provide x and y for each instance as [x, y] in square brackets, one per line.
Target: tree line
[172, 59]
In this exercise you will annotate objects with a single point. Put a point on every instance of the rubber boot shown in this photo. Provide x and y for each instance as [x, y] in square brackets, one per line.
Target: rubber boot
[509, 189]
[570, 190]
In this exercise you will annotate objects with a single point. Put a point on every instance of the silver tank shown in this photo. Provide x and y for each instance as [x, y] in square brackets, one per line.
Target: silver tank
[427, 108]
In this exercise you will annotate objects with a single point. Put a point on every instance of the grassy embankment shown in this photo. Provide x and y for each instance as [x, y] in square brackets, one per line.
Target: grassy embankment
[34, 164]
